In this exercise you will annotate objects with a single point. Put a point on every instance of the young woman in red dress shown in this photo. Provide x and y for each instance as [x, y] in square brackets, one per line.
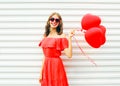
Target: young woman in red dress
[52, 71]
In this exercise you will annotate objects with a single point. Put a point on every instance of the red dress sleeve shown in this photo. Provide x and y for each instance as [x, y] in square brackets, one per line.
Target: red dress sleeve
[40, 42]
[62, 44]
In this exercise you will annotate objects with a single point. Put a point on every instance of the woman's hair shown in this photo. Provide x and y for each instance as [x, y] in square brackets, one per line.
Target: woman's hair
[59, 28]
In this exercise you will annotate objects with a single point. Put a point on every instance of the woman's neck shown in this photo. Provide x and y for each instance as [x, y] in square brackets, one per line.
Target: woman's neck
[53, 32]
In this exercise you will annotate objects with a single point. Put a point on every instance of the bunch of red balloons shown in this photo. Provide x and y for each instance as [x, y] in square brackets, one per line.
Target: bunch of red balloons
[95, 33]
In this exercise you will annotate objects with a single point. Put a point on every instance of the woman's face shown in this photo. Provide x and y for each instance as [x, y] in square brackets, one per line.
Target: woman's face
[54, 21]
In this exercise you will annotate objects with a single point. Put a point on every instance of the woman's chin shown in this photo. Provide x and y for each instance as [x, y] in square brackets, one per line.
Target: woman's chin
[53, 26]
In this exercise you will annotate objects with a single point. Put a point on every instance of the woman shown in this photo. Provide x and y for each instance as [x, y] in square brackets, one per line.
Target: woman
[54, 41]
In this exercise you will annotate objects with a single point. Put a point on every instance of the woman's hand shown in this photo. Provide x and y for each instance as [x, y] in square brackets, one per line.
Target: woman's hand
[72, 33]
[40, 78]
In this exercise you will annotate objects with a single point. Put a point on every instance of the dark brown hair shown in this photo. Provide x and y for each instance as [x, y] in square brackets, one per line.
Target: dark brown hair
[59, 29]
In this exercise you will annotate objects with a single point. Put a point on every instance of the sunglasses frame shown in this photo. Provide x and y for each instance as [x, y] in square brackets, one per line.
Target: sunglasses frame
[54, 19]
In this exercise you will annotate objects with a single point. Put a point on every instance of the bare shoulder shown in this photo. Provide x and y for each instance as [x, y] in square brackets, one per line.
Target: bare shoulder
[63, 35]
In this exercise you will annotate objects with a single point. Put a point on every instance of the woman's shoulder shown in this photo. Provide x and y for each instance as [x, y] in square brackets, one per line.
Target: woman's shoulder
[63, 35]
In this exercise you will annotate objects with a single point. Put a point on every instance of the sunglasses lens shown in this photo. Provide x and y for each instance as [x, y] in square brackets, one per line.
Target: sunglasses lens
[56, 20]
[52, 19]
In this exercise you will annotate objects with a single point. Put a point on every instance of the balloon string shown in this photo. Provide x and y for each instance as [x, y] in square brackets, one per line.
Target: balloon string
[84, 52]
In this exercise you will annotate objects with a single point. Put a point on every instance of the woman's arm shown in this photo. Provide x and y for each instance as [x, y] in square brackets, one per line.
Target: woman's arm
[68, 51]
[43, 60]
[42, 65]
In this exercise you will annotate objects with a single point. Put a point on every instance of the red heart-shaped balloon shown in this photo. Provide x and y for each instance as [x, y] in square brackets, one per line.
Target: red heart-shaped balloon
[93, 37]
[89, 21]
[103, 37]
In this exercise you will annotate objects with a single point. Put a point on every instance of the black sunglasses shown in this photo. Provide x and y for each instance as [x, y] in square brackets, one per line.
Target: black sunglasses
[56, 20]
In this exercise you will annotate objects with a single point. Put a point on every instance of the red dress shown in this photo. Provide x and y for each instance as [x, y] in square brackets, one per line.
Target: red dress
[53, 70]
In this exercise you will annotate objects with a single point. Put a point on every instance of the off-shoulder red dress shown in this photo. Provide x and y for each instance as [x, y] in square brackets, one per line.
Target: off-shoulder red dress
[53, 70]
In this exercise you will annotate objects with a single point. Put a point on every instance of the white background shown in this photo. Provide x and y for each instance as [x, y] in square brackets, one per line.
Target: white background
[22, 25]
